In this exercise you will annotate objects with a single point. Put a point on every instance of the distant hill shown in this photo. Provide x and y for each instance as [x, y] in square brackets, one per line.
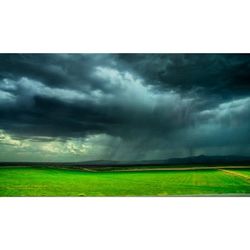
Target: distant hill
[195, 160]
[201, 159]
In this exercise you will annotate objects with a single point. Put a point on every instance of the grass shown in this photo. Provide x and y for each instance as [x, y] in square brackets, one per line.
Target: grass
[31, 181]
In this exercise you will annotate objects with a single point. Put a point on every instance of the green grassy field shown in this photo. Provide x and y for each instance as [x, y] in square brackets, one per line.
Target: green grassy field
[28, 181]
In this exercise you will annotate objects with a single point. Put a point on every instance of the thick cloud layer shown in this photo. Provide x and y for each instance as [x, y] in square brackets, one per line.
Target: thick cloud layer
[123, 106]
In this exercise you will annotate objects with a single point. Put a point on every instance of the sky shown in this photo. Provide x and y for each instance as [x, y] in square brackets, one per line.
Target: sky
[80, 107]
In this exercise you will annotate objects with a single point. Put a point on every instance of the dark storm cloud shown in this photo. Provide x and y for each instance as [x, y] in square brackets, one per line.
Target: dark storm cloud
[224, 75]
[56, 70]
[42, 67]
[36, 113]
[158, 104]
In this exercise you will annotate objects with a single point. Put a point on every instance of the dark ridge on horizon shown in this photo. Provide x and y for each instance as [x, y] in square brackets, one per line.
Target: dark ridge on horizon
[194, 160]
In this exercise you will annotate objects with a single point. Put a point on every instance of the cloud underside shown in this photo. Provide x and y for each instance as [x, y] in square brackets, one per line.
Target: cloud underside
[123, 106]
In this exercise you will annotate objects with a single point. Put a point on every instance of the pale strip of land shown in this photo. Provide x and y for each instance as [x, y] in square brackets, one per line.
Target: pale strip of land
[179, 168]
[236, 174]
